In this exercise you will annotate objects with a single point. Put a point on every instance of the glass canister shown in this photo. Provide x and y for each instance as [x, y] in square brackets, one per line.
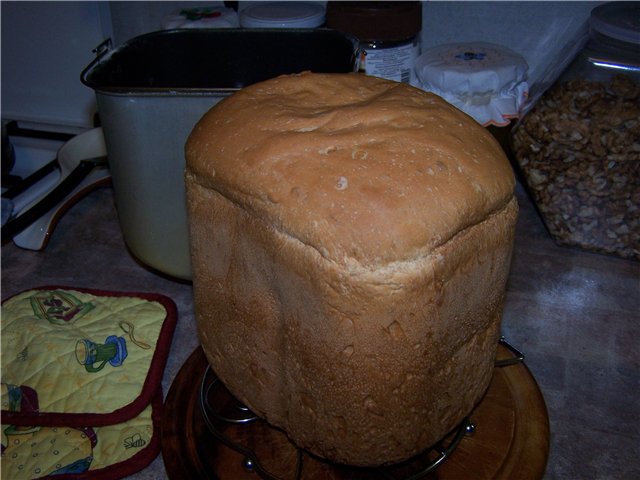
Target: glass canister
[388, 34]
[578, 147]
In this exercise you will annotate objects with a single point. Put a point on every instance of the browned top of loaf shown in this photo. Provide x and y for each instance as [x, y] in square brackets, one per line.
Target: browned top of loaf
[359, 168]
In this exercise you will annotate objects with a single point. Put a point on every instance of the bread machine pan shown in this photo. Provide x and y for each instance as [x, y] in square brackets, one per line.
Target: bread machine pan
[152, 89]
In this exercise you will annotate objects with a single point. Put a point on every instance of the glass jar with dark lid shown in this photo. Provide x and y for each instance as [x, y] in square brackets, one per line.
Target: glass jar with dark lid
[388, 34]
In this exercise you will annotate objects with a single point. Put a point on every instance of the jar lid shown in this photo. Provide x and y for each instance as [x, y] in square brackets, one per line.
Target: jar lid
[484, 80]
[619, 20]
[282, 15]
[376, 21]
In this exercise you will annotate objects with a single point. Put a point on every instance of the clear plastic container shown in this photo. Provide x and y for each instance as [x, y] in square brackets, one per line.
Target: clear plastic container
[578, 147]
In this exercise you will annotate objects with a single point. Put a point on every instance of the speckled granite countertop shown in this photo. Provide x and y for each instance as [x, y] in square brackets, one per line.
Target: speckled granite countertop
[574, 314]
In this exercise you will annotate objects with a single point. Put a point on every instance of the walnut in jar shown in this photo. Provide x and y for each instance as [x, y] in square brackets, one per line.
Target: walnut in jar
[579, 151]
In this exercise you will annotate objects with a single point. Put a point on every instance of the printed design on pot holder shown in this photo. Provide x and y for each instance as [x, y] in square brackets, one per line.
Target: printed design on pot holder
[81, 381]
[58, 307]
[35, 451]
[94, 356]
[57, 331]
[87, 452]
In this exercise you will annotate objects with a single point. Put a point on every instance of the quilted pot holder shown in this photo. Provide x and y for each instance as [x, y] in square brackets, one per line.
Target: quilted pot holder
[81, 382]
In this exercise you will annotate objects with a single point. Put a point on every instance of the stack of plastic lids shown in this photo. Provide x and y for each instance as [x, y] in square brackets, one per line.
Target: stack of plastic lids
[214, 17]
[282, 15]
[484, 80]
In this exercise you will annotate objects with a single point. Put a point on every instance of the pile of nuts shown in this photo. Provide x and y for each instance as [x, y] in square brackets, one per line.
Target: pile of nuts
[579, 150]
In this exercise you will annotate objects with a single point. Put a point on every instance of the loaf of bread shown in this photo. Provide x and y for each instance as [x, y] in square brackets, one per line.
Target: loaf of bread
[351, 240]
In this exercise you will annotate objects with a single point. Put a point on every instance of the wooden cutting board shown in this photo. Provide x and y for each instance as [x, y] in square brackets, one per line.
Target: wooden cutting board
[510, 439]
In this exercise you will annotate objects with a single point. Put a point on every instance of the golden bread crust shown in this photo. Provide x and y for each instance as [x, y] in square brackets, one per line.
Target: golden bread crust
[359, 315]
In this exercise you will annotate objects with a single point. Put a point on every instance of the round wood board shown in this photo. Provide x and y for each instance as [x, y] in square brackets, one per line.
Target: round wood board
[510, 440]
